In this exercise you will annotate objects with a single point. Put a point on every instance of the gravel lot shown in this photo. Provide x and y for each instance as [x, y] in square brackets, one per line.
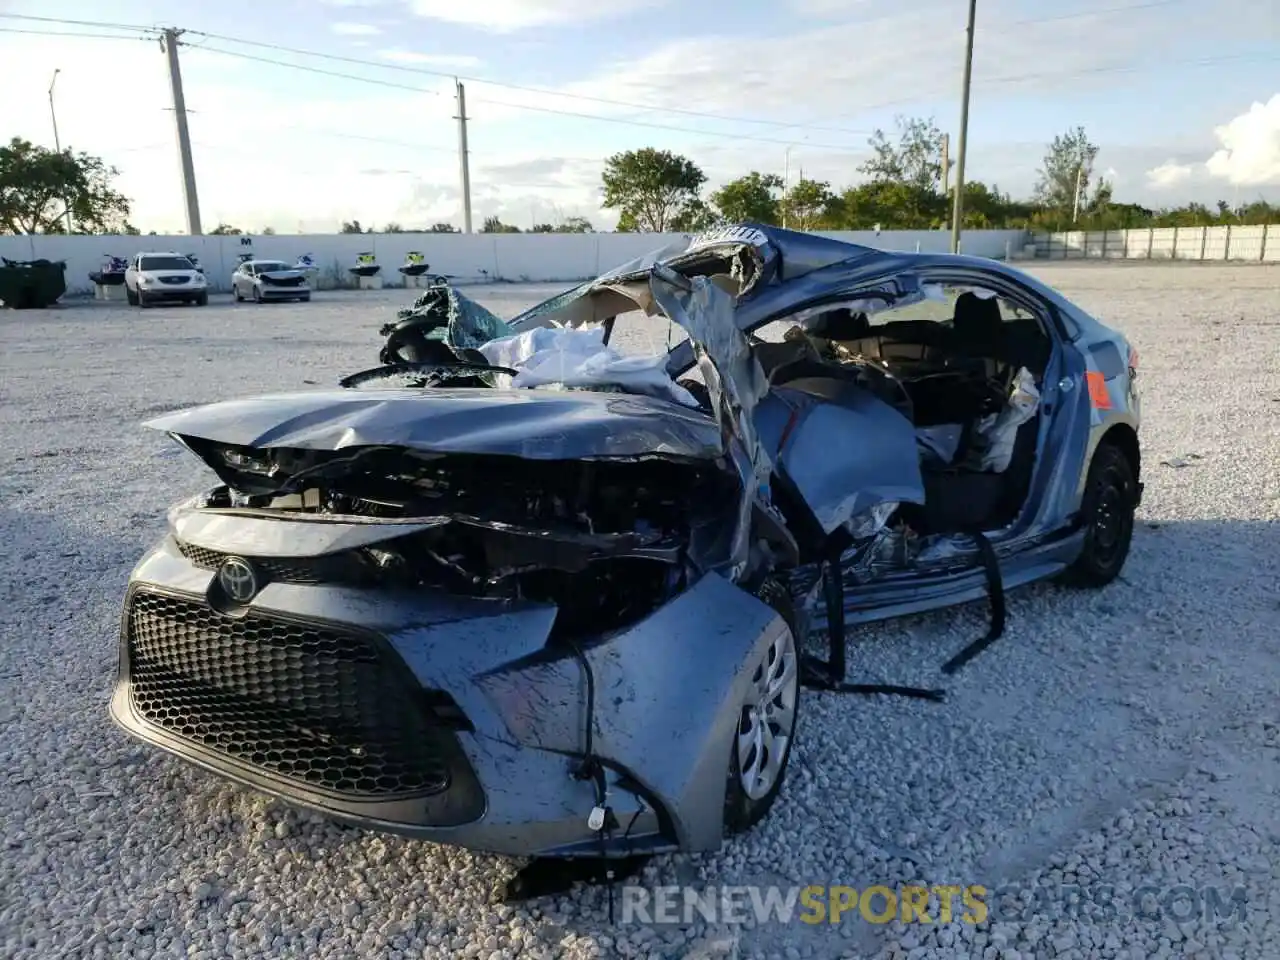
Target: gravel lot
[1127, 738]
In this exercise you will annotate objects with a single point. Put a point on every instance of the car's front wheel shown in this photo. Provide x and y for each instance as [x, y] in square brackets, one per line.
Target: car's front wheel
[766, 727]
[202, 300]
[257, 293]
[235, 292]
[1107, 510]
[130, 295]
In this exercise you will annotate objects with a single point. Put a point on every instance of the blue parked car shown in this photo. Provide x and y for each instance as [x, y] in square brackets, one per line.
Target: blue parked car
[535, 596]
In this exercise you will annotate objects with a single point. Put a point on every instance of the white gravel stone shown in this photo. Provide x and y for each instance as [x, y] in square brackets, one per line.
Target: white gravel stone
[1125, 738]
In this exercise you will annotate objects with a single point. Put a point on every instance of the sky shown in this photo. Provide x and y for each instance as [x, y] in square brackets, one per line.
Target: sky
[1182, 97]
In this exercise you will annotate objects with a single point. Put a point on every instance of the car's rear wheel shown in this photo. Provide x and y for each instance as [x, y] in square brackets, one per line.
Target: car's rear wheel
[1108, 507]
[766, 729]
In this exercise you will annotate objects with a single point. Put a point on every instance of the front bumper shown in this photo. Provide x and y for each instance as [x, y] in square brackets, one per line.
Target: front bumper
[276, 292]
[173, 291]
[329, 697]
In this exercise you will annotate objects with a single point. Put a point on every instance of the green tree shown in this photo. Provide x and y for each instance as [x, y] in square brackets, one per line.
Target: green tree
[494, 225]
[1066, 168]
[750, 199]
[351, 227]
[225, 230]
[38, 186]
[651, 188]
[915, 158]
[393, 227]
[694, 217]
[808, 203]
[442, 228]
[575, 225]
[542, 228]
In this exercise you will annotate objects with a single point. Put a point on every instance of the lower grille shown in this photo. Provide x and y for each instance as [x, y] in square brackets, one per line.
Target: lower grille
[310, 703]
[175, 279]
[283, 281]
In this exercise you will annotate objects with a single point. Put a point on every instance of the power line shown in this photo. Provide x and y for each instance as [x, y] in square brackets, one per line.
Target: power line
[77, 23]
[514, 106]
[320, 70]
[1083, 14]
[72, 33]
[513, 86]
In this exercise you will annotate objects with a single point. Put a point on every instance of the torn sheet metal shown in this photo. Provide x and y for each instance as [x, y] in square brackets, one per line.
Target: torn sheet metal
[734, 379]
[996, 432]
[846, 455]
[442, 313]
[535, 424]
[579, 358]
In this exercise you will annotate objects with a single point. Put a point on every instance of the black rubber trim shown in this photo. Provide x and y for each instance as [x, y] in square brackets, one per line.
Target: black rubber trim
[995, 591]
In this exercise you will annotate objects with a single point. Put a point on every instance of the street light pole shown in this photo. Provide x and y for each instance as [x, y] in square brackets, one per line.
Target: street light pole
[57, 144]
[957, 212]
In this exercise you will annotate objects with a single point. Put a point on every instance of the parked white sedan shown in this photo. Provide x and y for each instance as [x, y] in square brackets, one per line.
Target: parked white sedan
[260, 280]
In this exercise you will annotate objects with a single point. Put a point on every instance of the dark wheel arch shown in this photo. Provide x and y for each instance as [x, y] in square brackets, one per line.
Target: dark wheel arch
[1126, 438]
[1107, 509]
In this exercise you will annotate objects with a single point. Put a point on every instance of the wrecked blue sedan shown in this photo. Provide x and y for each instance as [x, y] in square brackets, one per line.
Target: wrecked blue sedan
[523, 591]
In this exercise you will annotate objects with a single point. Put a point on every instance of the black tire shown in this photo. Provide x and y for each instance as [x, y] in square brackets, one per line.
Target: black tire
[257, 294]
[741, 811]
[142, 300]
[202, 300]
[306, 298]
[130, 296]
[235, 292]
[1108, 507]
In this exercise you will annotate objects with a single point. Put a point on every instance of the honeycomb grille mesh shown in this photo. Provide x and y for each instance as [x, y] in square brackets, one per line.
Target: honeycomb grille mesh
[324, 569]
[301, 701]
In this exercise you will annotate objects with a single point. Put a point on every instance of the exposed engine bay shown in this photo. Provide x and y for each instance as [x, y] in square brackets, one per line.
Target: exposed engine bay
[606, 541]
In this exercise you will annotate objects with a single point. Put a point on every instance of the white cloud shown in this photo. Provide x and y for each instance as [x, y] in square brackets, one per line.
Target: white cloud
[355, 29]
[503, 16]
[347, 4]
[460, 60]
[1168, 174]
[1250, 154]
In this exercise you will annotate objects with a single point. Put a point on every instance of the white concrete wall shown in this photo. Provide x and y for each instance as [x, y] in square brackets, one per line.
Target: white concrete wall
[1261, 243]
[475, 257]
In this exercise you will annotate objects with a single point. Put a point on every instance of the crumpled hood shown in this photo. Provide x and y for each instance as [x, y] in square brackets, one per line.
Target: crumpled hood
[534, 424]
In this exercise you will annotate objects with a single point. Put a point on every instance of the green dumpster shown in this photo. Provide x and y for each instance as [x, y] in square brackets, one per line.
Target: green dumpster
[30, 284]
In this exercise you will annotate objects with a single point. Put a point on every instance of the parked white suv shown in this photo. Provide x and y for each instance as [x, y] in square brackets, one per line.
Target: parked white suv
[154, 277]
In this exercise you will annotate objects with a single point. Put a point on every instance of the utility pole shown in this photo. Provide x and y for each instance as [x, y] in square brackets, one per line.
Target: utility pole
[957, 210]
[57, 144]
[946, 164]
[786, 183]
[462, 157]
[169, 44]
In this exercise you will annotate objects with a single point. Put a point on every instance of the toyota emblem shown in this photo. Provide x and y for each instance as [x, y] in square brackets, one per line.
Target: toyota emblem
[238, 579]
